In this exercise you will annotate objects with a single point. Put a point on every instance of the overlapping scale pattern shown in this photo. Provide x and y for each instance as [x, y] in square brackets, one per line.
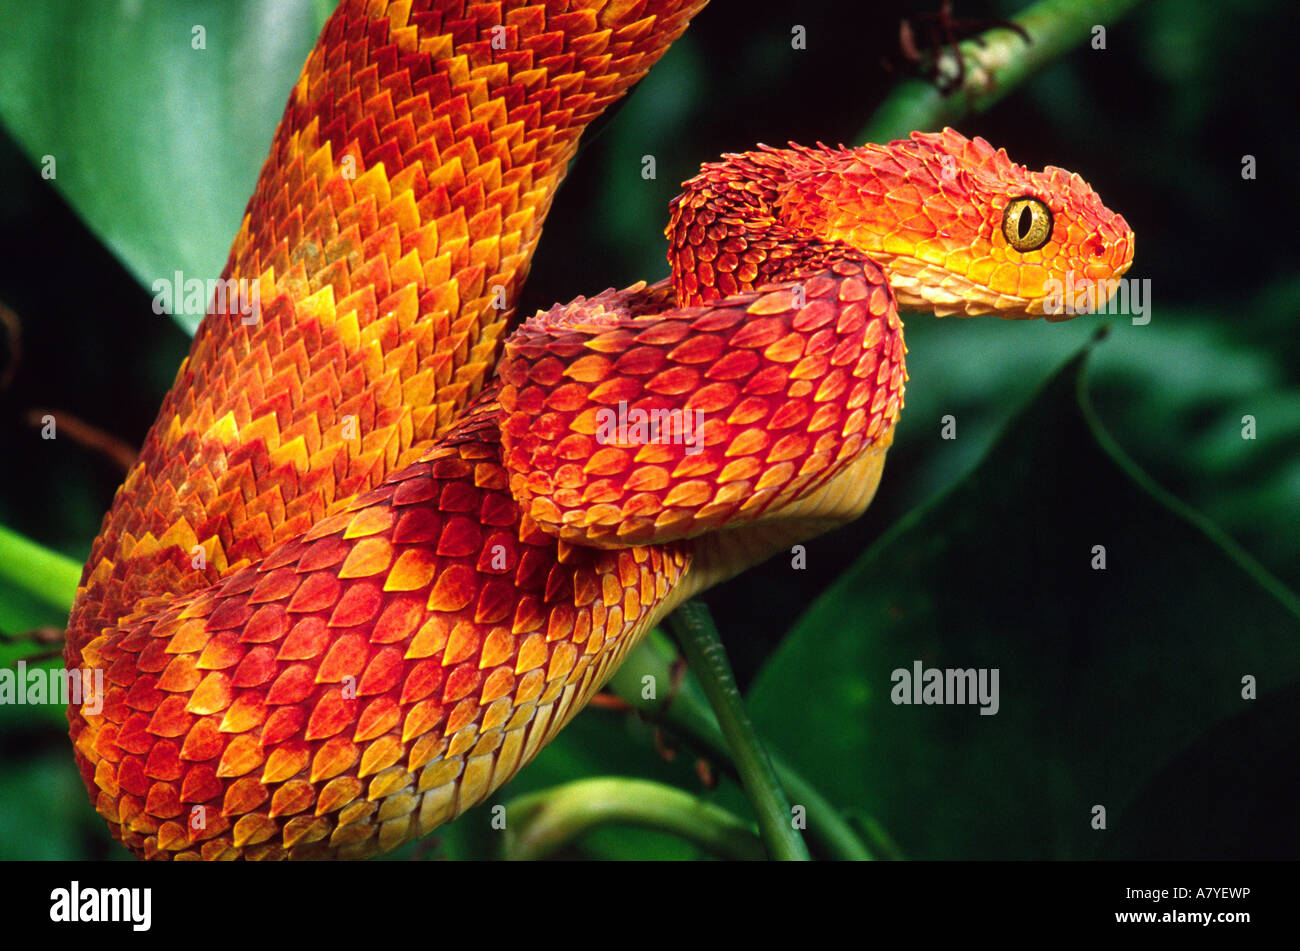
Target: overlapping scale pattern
[368, 681]
[650, 429]
[388, 234]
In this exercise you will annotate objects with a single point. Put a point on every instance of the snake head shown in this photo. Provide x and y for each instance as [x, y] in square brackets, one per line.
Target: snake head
[961, 229]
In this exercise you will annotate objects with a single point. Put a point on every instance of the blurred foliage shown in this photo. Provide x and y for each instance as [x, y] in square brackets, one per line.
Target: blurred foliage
[1104, 675]
[1119, 687]
[162, 183]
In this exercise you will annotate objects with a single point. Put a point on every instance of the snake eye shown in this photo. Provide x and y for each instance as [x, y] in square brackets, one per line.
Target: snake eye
[1027, 223]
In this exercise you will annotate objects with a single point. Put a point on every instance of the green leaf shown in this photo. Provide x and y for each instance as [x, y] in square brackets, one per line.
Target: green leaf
[36, 585]
[156, 144]
[1214, 801]
[1104, 675]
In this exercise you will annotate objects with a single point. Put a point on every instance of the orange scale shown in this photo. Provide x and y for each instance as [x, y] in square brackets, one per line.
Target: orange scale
[383, 673]
[268, 623]
[455, 589]
[306, 640]
[172, 837]
[221, 652]
[115, 709]
[413, 570]
[380, 755]
[131, 778]
[767, 381]
[360, 604]
[532, 569]
[242, 756]
[169, 720]
[293, 797]
[154, 658]
[831, 387]
[257, 667]
[380, 716]
[190, 636]
[293, 686]
[462, 715]
[788, 447]
[417, 526]
[144, 694]
[317, 593]
[282, 724]
[204, 741]
[228, 615]
[369, 557]
[133, 737]
[399, 621]
[424, 678]
[586, 587]
[638, 361]
[251, 830]
[200, 785]
[164, 762]
[212, 695]
[421, 718]
[791, 413]
[246, 712]
[733, 365]
[417, 488]
[346, 657]
[332, 715]
[499, 510]
[335, 755]
[713, 398]
[674, 381]
[163, 801]
[460, 538]
[275, 586]
[462, 643]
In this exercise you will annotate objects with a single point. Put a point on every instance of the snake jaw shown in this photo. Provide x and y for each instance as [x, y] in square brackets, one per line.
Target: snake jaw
[929, 210]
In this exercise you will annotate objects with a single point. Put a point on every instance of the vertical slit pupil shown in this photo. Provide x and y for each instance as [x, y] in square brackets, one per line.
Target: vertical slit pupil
[1026, 221]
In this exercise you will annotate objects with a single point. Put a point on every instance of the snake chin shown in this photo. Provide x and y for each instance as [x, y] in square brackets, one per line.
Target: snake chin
[925, 288]
[723, 554]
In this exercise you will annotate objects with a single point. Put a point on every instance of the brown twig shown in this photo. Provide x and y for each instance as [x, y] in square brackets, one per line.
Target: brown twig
[13, 330]
[118, 451]
[942, 32]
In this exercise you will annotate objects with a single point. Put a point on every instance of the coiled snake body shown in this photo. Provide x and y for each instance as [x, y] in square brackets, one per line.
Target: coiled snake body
[375, 553]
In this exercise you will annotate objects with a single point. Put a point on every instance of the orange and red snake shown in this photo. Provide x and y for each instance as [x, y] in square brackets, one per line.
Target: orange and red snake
[377, 549]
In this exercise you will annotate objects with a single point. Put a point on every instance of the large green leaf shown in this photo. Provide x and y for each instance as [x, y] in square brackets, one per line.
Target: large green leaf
[1104, 675]
[155, 143]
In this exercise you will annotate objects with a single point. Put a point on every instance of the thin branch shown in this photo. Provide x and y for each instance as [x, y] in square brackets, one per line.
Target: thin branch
[542, 823]
[993, 64]
[686, 713]
[708, 659]
[118, 451]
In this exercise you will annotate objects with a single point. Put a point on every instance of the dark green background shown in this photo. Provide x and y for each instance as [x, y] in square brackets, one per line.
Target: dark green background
[1119, 687]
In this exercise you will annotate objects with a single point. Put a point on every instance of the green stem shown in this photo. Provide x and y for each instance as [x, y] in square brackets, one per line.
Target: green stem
[46, 575]
[995, 68]
[541, 823]
[708, 658]
[686, 713]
